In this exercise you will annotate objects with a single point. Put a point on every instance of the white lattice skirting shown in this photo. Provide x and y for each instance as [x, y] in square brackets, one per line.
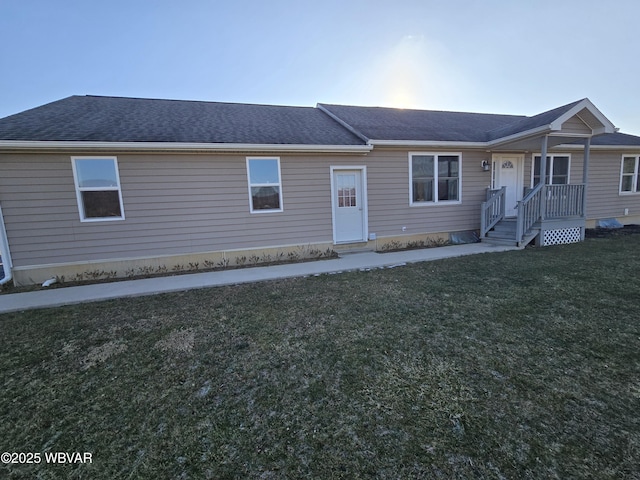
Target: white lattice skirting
[561, 236]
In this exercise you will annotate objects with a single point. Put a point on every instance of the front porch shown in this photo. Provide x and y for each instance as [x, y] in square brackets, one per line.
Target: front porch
[549, 214]
[553, 211]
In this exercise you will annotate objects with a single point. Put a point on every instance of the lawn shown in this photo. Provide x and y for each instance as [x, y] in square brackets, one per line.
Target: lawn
[514, 365]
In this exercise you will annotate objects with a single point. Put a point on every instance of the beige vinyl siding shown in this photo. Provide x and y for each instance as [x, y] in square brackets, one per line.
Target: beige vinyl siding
[388, 191]
[603, 197]
[180, 204]
[576, 125]
[173, 205]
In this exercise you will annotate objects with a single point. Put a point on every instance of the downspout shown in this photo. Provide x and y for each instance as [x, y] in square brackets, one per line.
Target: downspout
[7, 265]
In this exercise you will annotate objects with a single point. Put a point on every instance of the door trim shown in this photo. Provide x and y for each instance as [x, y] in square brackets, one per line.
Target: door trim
[365, 210]
[497, 181]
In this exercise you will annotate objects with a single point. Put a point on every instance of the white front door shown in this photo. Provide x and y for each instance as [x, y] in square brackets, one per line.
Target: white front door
[508, 170]
[349, 206]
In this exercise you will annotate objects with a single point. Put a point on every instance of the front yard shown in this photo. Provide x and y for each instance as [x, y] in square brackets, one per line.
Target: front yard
[511, 365]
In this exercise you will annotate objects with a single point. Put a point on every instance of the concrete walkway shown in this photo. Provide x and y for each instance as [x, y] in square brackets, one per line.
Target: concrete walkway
[56, 297]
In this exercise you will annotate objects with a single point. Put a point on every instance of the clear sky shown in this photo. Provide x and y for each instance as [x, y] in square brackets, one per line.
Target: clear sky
[494, 56]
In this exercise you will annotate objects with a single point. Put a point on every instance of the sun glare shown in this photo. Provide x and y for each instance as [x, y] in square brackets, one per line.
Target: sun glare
[412, 74]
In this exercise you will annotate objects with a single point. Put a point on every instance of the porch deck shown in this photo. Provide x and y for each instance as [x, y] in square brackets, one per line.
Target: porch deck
[553, 214]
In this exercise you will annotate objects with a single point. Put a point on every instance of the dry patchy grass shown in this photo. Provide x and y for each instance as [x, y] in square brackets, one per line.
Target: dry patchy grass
[512, 365]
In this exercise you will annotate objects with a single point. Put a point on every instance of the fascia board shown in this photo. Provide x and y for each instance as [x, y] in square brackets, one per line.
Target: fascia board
[180, 147]
[426, 143]
[534, 132]
[598, 147]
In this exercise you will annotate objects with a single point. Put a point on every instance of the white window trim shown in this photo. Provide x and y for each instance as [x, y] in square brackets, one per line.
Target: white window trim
[635, 186]
[550, 173]
[435, 201]
[249, 184]
[79, 190]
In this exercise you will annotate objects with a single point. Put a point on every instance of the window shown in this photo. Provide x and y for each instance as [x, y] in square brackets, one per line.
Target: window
[557, 170]
[265, 192]
[435, 178]
[98, 188]
[630, 175]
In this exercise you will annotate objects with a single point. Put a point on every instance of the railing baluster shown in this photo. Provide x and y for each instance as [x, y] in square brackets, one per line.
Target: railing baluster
[564, 201]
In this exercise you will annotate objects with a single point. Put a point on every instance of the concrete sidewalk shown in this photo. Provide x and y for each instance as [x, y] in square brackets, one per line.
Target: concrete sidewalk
[56, 297]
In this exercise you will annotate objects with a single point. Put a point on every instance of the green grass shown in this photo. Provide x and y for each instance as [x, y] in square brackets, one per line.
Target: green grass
[512, 365]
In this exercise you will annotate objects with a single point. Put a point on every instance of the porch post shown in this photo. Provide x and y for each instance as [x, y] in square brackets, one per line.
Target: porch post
[543, 160]
[543, 175]
[585, 179]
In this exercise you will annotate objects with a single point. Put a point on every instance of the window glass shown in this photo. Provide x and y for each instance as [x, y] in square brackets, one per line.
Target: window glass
[630, 178]
[435, 178]
[264, 184]
[101, 204]
[346, 191]
[422, 168]
[98, 189]
[96, 173]
[264, 171]
[627, 183]
[560, 170]
[629, 165]
[557, 169]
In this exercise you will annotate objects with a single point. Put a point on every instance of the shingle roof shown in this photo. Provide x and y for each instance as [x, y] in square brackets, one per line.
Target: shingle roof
[530, 123]
[613, 139]
[380, 123]
[116, 119]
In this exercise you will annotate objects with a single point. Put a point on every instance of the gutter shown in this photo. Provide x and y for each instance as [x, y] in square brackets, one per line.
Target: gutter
[7, 265]
[180, 147]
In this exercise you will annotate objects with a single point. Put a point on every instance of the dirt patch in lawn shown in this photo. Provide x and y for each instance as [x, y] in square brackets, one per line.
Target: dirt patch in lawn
[178, 341]
[102, 353]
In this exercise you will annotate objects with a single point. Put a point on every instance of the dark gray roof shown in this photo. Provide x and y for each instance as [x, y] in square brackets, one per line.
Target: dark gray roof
[613, 139]
[116, 119]
[380, 123]
[530, 123]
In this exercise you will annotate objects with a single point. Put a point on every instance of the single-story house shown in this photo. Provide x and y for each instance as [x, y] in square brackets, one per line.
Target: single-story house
[94, 187]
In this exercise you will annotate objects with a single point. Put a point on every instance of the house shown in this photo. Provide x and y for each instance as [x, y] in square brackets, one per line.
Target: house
[94, 187]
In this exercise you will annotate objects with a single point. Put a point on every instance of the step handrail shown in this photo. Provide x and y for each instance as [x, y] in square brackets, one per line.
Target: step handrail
[529, 211]
[493, 210]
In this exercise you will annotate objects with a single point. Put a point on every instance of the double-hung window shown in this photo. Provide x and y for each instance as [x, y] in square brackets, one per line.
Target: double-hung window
[557, 170]
[98, 188]
[630, 174]
[265, 187]
[434, 178]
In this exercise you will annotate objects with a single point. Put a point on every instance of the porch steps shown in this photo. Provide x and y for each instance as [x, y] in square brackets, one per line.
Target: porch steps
[504, 233]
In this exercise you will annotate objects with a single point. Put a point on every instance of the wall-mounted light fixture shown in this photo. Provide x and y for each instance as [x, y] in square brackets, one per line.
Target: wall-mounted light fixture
[485, 165]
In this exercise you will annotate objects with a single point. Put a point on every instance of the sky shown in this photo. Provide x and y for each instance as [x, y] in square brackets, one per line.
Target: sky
[493, 56]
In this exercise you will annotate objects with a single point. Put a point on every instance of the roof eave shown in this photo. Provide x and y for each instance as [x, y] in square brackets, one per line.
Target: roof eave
[426, 143]
[534, 132]
[179, 147]
[573, 146]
